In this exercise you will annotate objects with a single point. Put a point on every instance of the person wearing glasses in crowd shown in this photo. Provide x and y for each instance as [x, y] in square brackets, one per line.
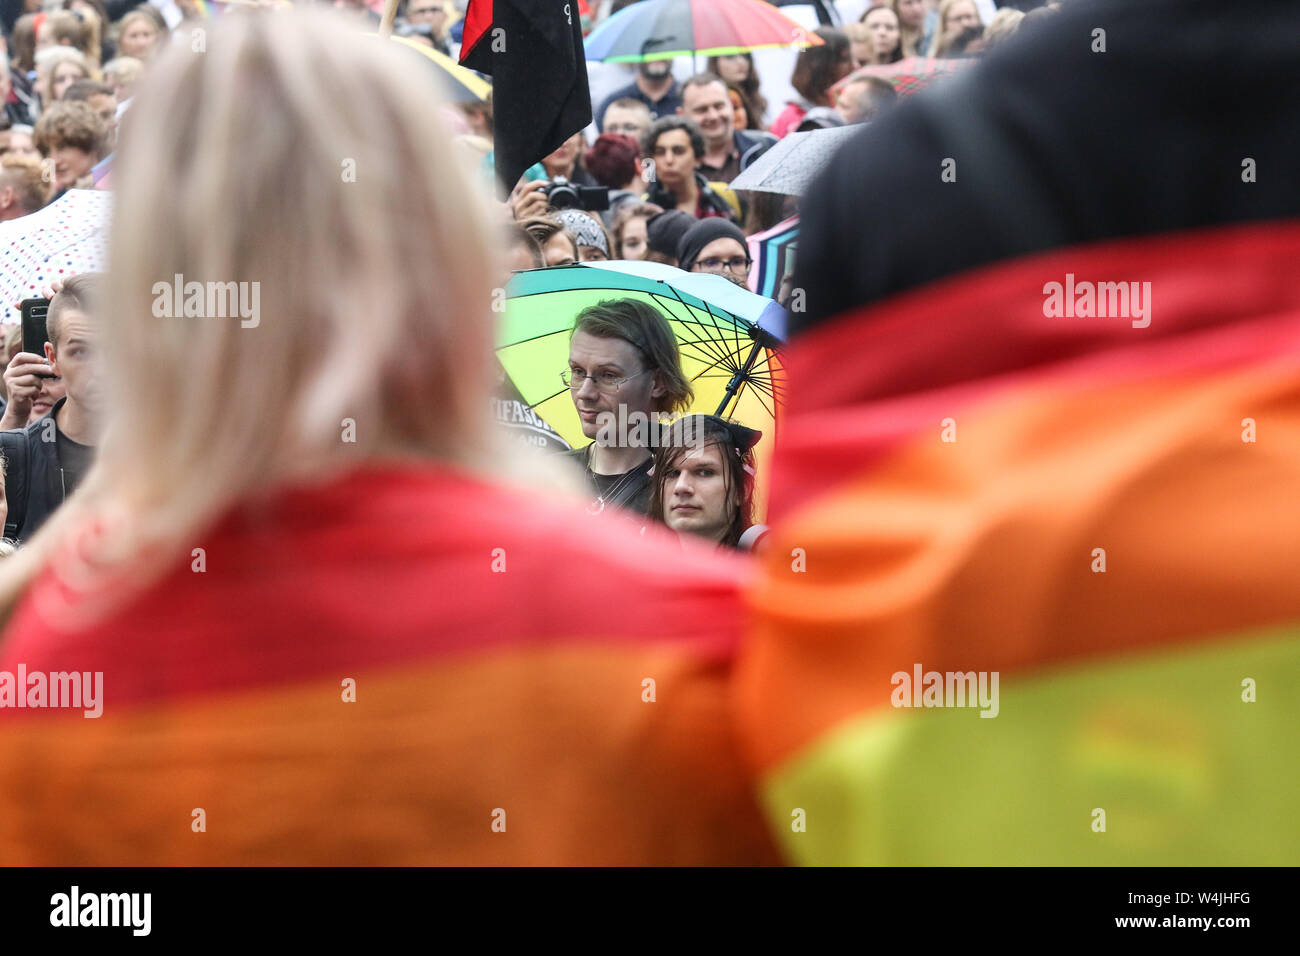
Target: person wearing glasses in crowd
[426, 22]
[716, 246]
[628, 117]
[624, 373]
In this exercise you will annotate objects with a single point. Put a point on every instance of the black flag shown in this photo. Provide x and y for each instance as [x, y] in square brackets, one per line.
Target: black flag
[533, 51]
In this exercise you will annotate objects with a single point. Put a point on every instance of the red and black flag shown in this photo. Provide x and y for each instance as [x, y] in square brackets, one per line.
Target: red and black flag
[533, 51]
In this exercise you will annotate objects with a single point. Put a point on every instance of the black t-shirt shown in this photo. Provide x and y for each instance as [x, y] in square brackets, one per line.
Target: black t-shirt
[75, 459]
[630, 490]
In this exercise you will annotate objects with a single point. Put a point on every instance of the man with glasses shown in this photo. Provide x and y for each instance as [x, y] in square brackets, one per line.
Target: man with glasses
[628, 117]
[425, 21]
[716, 246]
[624, 373]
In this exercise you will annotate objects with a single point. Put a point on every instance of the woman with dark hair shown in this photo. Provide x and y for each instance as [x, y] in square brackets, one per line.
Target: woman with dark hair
[884, 35]
[742, 109]
[703, 481]
[675, 147]
[911, 25]
[738, 71]
[815, 72]
[631, 230]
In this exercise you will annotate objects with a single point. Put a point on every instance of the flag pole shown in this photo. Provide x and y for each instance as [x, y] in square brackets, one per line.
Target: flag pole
[386, 24]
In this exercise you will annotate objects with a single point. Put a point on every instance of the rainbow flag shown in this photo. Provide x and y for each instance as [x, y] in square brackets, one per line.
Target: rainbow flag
[1031, 596]
[492, 679]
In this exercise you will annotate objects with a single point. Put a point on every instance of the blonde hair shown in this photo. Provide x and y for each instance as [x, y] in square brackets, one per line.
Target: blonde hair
[1003, 25]
[937, 42]
[139, 14]
[857, 32]
[46, 62]
[25, 176]
[375, 257]
[127, 70]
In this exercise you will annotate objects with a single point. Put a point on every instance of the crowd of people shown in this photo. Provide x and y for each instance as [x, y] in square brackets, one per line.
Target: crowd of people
[233, 521]
[649, 181]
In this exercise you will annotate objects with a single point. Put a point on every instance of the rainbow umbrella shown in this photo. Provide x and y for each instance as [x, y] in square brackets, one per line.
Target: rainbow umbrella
[773, 253]
[908, 75]
[730, 355]
[663, 29]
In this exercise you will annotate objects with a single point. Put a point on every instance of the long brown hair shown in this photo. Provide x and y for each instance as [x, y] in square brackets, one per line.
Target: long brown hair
[700, 431]
[755, 102]
[814, 70]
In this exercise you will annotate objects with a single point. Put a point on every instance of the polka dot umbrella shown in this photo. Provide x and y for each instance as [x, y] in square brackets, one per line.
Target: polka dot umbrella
[66, 237]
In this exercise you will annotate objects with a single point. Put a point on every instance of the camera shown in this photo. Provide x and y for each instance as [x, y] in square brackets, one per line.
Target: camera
[562, 194]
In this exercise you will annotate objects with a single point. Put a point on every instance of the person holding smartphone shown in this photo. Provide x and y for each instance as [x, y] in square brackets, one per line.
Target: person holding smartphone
[32, 388]
[46, 459]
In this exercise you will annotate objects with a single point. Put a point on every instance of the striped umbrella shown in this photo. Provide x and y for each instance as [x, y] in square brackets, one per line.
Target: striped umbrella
[773, 253]
[663, 29]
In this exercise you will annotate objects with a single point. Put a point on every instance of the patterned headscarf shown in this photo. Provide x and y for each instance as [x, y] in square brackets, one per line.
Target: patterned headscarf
[585, 230]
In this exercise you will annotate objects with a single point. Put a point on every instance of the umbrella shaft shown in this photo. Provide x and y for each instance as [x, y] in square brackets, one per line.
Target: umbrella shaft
[741, 375]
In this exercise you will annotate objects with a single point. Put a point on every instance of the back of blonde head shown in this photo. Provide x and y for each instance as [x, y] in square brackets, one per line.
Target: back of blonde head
[304, 157]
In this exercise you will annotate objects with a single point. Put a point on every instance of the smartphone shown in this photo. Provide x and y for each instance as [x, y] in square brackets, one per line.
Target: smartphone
[34, 311]
[35, 333]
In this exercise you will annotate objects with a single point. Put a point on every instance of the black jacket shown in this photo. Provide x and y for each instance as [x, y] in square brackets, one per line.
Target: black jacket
[35, 484]
[663, 197]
